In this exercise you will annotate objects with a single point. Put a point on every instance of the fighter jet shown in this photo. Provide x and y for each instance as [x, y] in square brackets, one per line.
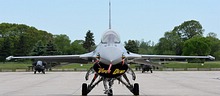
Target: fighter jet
[39, 66]
[111, 62]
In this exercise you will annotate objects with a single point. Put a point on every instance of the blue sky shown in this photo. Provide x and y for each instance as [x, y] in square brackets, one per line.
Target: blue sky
[131, 19]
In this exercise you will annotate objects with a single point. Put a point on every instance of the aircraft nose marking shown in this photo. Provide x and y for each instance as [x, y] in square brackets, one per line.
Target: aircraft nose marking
[109, 68]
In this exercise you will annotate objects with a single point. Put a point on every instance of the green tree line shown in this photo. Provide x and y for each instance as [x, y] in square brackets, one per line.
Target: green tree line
[184, 39]
[23, 40]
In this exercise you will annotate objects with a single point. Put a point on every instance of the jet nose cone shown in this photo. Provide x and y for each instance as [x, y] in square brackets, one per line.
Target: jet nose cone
[111, 55]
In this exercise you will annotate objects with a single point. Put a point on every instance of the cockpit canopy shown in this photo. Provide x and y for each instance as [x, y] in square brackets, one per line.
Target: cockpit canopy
[110, 37]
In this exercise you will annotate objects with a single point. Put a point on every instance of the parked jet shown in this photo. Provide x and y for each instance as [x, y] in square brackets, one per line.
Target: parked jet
[111, 62]
[146, 67]
[39, 66]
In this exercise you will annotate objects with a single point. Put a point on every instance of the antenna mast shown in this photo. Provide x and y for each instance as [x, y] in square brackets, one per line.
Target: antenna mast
[109, 14]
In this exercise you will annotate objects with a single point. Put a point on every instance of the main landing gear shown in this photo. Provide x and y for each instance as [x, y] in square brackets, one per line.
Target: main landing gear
[39, 69]
[108, 82]
[86, 89]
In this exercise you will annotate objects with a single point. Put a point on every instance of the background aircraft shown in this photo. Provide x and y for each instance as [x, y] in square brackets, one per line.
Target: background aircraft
[111, 62]
[39, 66]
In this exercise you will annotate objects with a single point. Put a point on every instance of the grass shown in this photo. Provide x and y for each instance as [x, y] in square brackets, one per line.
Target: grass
[215, 64]
[14, 65]
[24, 65]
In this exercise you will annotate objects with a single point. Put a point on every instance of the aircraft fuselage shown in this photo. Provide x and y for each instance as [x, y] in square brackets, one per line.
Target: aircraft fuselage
[110, 52]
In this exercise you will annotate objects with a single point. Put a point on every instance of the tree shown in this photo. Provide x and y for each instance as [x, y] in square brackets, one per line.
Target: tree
[51, 48]
[62, 42]
[5, 49]
[89, 41]
[38, 49]
[131, 46]
[212, 34]
[189, 29]
[20, 46]
[173, 41]
[170, 44]
[77, 47]
[214, 45]
[198, 46]
[21, 38]
[145, 47]
[1, 50]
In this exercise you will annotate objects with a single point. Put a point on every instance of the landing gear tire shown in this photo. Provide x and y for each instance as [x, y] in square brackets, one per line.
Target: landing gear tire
[136, 89]
[84, 89]
[43, 72]
[35, 72]
[110, 93]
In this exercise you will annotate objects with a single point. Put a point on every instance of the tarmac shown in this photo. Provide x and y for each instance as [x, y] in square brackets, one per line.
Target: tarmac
[158, 83]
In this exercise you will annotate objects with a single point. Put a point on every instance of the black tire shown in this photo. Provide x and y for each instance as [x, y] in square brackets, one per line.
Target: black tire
[35, 72]
[110, 93]
[136, 89]
[84, 89]
[151, 71]
[43, 72]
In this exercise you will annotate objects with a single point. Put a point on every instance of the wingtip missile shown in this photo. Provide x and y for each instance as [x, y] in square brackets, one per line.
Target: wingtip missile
[211, 57]
[9, 58]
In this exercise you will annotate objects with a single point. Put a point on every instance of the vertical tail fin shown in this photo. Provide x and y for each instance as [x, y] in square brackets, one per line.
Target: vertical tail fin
[109, 14]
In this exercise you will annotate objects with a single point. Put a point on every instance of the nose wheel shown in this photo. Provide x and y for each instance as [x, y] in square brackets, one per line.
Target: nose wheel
[110, 93]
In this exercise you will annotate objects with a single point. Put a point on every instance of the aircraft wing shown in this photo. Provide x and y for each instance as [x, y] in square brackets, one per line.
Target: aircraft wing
[144, 59]
[62, 58]
[176, 57]
[139, 56]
